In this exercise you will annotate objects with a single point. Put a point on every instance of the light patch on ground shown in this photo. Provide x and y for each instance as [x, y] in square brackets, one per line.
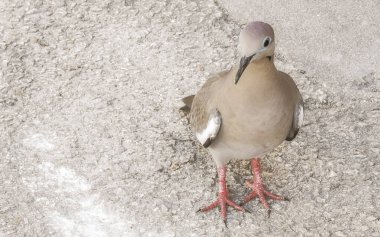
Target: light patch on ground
[89, 216]
[91, 220]
[38, 141]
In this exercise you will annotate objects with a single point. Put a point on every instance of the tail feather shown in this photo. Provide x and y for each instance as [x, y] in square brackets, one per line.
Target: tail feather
[188, 101]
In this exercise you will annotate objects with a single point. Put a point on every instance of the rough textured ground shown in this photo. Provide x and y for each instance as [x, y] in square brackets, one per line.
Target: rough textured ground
[92, 144]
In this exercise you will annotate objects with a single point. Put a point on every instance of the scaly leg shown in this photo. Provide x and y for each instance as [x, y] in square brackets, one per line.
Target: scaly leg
[223, 201]
[258, 187]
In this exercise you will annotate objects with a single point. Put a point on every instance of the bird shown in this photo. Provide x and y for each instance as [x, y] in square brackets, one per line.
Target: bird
[245, 112]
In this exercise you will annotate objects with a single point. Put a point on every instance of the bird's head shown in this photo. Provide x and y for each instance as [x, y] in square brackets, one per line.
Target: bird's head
[256, 41]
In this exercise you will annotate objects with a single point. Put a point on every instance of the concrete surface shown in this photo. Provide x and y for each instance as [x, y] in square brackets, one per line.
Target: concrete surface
[92, 144]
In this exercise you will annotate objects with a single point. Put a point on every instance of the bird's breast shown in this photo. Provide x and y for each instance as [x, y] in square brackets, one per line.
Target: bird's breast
[255, 125]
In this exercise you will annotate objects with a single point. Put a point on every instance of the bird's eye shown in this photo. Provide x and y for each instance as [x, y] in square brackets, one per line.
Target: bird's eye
[266, 41]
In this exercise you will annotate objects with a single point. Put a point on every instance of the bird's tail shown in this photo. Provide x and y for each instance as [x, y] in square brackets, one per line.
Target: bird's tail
[188, 101]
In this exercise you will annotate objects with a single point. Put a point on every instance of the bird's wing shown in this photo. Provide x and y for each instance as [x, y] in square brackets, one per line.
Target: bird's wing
[297, 120]
[205, 118]
[209, 133]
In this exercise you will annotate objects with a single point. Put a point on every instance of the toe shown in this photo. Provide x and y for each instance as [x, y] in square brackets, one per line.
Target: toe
[210, 207]
[234, 205]
[263, 200]
[223, 211]
[250, 197]
[273, 196]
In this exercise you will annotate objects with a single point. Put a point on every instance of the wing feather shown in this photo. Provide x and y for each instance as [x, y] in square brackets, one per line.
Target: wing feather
[205, 118]
[297, 121]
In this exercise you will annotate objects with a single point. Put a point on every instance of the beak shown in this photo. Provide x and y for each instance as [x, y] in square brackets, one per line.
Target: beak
[244, 61]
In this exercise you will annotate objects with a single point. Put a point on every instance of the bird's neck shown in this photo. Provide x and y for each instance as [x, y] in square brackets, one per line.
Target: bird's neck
[258, 74]
[264, 64]
[258, 70]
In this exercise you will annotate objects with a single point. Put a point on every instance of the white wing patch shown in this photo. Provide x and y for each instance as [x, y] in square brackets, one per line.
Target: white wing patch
[300, 115]
[209, 133]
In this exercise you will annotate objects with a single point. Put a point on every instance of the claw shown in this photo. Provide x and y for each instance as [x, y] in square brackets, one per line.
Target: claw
[225, 223]
[268, 213]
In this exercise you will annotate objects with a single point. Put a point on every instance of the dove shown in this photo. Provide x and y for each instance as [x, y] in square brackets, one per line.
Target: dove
[245, 112]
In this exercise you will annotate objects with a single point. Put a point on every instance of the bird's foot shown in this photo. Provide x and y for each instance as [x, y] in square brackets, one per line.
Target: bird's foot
[223, 201]
[261, 193]
[259, 189]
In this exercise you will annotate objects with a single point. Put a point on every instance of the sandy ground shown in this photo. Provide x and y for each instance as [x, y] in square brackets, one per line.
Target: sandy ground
[92, 143]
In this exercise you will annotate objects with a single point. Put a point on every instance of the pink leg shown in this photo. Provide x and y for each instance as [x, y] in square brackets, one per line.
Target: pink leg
[223, 201]
[258, 187]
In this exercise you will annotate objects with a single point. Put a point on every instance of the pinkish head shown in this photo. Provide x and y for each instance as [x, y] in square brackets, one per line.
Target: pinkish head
[256, 42]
